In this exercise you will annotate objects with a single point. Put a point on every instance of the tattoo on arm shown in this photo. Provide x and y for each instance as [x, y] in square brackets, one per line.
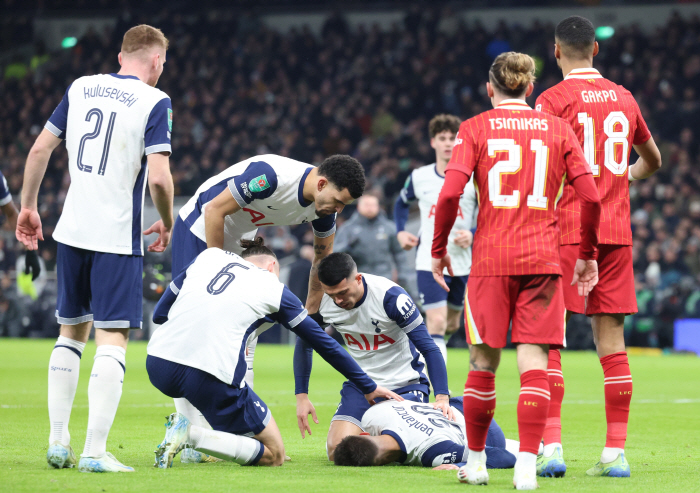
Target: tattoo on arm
[319, 249]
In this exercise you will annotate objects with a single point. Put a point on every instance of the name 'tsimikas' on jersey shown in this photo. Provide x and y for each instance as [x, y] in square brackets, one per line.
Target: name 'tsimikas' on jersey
[424, 185]
[110, 123]
[269, 190]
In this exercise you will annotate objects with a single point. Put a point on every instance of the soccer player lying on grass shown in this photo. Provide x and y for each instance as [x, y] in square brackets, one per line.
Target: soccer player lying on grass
[209, 313]
[382, 328]
[416, 434]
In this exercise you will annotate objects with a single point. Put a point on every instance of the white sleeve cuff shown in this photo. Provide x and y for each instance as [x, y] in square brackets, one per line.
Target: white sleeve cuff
[159, 148]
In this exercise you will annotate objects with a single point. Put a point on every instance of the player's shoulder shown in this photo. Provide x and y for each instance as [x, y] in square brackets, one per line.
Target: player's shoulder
[426, 171]
[379, 285]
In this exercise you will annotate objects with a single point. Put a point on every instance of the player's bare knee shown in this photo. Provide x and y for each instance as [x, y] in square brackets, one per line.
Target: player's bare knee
[436, 321]
[78, 332]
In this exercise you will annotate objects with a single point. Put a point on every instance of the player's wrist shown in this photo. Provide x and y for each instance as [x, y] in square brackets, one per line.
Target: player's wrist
[442, 397]
[630, 176]
[302, 396]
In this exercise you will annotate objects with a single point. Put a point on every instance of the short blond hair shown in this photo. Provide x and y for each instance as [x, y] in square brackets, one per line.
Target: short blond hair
[143, 36]
[512, 72]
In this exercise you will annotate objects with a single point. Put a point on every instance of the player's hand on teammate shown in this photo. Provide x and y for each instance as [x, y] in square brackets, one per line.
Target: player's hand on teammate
[383, 393]
[464, 238]
[304, 408]
[407, 240]
[163, 239]
[586, 275]
[439, 265]
[442, 403]
[29, 229]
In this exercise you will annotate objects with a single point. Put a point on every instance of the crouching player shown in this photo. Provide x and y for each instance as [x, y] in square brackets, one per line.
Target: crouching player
[209, 313]
[382, 329]
[416, 434]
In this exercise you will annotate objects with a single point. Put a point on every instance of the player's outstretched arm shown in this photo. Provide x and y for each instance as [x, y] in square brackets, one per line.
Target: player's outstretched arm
[303, 361]
[322, 248]
[214, 216]
[649, 161]
[28, 222]
[160, 183]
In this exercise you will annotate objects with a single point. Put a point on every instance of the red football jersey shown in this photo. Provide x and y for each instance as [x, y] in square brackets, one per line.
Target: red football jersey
[607, 122]
[520, 159]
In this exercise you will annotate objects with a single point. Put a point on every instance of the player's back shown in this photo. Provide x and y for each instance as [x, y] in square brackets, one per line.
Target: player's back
[607, 121]
[418, 427]
[521, 158]
[223, 301]
[110, 123]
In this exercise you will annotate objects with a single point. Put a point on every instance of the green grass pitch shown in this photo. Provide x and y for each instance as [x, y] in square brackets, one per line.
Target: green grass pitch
[663, 445]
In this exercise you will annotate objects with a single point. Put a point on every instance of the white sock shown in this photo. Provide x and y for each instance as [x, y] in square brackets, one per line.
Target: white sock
[550, 448]
[249, 356]
[513, 446]
[64, 371]
[104, 392]
[476, 456]
[226, 446]
[610, 454]
[440, 341]
[526, 464]
[185, 407]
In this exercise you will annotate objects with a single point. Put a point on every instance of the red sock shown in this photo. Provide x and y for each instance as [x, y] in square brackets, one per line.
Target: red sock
[479, 406]
[618, 394]
[552, 431]
[533, 406]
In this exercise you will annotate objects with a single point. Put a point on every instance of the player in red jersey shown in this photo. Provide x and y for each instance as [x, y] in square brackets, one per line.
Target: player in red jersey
[608, 123]
[520, 159]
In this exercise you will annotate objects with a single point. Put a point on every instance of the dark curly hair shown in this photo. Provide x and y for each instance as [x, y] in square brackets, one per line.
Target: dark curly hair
[336, 267]
[344, 171]
[357, 451]
[256, 247]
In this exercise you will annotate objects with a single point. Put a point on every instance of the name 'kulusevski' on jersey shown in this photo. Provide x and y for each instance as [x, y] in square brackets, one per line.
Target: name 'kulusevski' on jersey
[269, 191]
[110, 123]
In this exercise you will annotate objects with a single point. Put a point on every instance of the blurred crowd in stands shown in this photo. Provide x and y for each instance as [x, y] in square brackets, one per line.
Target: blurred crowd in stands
[239, 89]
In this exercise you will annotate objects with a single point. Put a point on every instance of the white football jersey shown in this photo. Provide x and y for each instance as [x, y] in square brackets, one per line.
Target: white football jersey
[417, 427]
[223, 303]
[375, 332]
[110, 123]
[269, 189]
[424, 185]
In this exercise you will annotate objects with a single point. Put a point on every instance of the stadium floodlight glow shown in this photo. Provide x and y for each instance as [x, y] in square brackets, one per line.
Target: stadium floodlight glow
[69, 42]
[604, 32]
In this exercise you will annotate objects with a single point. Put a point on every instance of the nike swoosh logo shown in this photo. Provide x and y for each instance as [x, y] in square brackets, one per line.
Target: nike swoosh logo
[272, 208]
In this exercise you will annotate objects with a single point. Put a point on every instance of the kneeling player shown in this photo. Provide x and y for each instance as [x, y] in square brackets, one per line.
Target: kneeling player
[382, 328]
[416, 434]
[209, 313]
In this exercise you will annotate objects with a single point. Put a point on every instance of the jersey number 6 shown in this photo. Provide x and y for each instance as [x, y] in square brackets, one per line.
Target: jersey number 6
[224, 275]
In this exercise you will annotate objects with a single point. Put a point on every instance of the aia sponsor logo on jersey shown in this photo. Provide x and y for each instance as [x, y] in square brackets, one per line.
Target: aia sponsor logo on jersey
[364, 344]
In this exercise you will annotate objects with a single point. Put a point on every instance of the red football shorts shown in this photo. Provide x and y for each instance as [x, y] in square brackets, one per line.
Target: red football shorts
[535, 305]
[614, 292]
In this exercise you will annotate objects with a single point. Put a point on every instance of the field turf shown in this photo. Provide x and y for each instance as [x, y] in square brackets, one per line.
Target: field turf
[663, 446]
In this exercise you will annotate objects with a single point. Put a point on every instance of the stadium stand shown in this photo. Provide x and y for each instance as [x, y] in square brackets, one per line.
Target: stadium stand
[239, 89]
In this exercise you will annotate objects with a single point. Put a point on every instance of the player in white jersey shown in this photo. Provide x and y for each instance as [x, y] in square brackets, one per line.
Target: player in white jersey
[443, 310]
[209, 312]
[266, 190]
[416, 434]
[384, 332]
[31, 260]
[117, 132]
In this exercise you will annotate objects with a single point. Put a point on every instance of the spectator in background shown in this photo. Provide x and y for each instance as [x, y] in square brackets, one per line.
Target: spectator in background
[298, 281]
[370, 238]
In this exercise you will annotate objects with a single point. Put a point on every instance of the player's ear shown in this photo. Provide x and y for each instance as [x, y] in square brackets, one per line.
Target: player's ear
[358, 278]
[432, 142]
[321, 184]
[557, 51]
[530, 88]
[595, 48]
[119, 57]
[489, 90]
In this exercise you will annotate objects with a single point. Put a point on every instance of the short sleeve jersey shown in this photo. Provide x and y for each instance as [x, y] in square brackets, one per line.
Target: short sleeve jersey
[520, 160]
[607, 122]
[223, 303]
[269, 190]
[375, 331]
[110, 123]
[424, 185]
[418, 429]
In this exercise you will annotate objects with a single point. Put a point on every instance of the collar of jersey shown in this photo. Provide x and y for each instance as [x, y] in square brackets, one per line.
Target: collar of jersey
[124, 76]
[436, 172]
[583, 73]
[364, 296]
[300, 196]
[513, 104]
